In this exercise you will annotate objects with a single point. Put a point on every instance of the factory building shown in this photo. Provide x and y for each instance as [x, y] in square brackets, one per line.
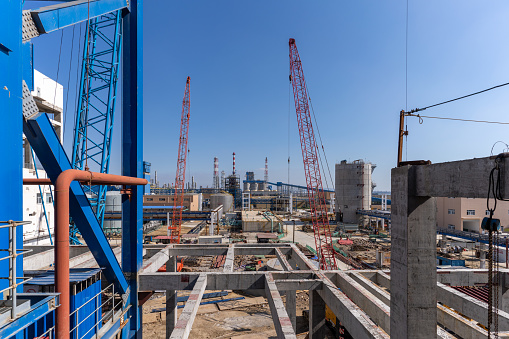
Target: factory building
[464, 214]
[192, 201]
[353, 188]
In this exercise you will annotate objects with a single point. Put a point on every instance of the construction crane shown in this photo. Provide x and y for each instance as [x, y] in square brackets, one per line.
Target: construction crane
[316, 195]
[96, 105]
[178, 200]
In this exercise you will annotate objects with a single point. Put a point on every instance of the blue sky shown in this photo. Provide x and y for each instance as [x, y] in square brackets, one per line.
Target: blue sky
[353, 55]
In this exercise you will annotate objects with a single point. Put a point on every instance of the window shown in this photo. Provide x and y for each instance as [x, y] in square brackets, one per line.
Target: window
[49, 198]
[470, 212]
[150, 199]
[162, 199]
[451, 211]
[451, 227]
[39, 199]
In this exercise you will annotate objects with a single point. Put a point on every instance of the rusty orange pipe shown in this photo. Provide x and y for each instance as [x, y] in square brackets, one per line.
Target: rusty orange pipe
[62, 184]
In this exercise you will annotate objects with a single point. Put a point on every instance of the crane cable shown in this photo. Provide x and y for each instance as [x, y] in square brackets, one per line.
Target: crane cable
[321, 143]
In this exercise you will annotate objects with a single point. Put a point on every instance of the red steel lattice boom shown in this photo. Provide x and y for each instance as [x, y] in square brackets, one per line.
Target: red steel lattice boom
[316, 195]
[178, 200]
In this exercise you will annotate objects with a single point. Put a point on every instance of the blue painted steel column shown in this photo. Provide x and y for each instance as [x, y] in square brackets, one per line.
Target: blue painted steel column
[132, 157]
[11, 199]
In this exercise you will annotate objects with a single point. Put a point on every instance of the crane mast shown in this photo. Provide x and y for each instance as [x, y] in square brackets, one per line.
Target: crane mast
[178, 200]
[316, 195]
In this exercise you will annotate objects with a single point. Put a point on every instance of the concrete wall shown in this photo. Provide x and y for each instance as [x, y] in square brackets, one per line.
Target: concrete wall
[353, 189]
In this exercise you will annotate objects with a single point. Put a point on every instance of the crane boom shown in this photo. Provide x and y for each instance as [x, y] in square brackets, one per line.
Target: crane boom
[178, 200]
[316, 195]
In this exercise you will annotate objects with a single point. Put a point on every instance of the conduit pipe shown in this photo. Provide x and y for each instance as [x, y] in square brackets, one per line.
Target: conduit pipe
[62, 184]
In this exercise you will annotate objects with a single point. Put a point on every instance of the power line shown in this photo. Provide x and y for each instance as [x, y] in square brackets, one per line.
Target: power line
[462, 97]
[456, 119]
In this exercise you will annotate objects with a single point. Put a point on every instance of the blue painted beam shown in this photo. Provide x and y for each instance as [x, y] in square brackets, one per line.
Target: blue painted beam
[53, 158]
[132, 158]
[51, 18]
[11, 137]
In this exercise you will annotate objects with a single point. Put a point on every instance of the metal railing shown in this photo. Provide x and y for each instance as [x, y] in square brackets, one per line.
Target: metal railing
[96, 299]
[13, 254]
[49, 334]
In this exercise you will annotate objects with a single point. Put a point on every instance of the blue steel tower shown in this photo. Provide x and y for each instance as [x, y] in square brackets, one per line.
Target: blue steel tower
[96, 104]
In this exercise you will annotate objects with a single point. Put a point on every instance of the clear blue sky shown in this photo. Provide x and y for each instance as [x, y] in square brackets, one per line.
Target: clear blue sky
[353, 55]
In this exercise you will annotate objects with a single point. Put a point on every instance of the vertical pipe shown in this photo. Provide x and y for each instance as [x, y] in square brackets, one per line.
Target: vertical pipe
[62, 258]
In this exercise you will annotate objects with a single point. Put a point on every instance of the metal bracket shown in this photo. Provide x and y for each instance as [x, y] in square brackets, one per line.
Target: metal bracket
[30, 109]
[29, 28]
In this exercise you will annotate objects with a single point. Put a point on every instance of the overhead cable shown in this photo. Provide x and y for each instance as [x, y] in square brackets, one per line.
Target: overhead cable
[462, 97]
[456, 119]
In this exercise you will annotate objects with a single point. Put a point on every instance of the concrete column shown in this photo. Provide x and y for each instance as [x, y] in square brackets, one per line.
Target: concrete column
[413, 259]
[291, 307]
[316, 316]
[482, 257]
[171, 299]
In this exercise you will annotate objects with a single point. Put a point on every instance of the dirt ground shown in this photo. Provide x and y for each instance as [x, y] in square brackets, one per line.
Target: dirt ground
[240, 322]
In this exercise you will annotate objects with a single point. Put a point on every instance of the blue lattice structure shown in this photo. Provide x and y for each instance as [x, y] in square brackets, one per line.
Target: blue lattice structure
[96, 105]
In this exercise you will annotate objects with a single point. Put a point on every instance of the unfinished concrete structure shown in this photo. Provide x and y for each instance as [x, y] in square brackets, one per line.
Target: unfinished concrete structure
[353, 188]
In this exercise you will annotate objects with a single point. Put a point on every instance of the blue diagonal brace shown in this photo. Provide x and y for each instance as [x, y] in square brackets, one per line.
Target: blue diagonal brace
[52, 18]
[51, 154]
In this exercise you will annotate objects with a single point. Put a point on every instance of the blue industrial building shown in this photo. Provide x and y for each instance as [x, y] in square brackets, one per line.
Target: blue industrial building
[33, 313]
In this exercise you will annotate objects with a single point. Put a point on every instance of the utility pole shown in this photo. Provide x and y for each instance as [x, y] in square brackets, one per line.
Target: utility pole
[402, 133]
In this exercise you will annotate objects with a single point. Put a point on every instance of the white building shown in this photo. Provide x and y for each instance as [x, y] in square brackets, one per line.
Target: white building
[49, 98]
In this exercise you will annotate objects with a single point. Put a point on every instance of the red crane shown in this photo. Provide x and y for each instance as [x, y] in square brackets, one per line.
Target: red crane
[178, 198]
[316, 195]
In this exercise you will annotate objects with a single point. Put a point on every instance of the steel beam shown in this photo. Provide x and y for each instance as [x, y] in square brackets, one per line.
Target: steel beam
[132, 158]
[186, 319]
[54, 17]
[49, 150]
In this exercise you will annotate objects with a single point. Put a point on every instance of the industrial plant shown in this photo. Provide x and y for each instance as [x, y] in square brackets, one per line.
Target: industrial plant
[89, 253]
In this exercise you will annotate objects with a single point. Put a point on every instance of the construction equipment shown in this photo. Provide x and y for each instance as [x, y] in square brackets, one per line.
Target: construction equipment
[316, 196]
[178, 200]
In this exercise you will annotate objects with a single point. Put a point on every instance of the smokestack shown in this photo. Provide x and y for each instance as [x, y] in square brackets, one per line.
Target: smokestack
[215, 179]
[155, 179]
[266, 170]
[233, 163]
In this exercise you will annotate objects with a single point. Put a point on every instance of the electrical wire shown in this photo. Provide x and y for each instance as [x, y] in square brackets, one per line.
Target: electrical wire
[58, 69]
[321, 143]
[459, 98]
[406, 59]
[456, 119]
[68, 81]
[78, 83]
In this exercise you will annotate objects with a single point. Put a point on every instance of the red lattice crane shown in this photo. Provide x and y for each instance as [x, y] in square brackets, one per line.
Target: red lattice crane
[178, 200]
[316, 195]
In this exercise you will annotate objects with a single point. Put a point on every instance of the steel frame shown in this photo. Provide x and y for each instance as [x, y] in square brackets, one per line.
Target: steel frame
[96, 104]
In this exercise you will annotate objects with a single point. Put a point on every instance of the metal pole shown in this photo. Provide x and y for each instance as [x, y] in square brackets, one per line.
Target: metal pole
[293, 231]
[12, 234]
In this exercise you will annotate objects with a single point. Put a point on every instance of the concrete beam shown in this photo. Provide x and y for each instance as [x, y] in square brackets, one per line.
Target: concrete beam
[302, 261]
[371, 305]
[228, 262]
[283, 261]
[38, 261]
[463, 327]
[458, 179]
[156, 261]
[462, 277]
[357, 323]
[469, 306]
[282, 322]
[186, 319]
[299, 284]
[381, 294]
